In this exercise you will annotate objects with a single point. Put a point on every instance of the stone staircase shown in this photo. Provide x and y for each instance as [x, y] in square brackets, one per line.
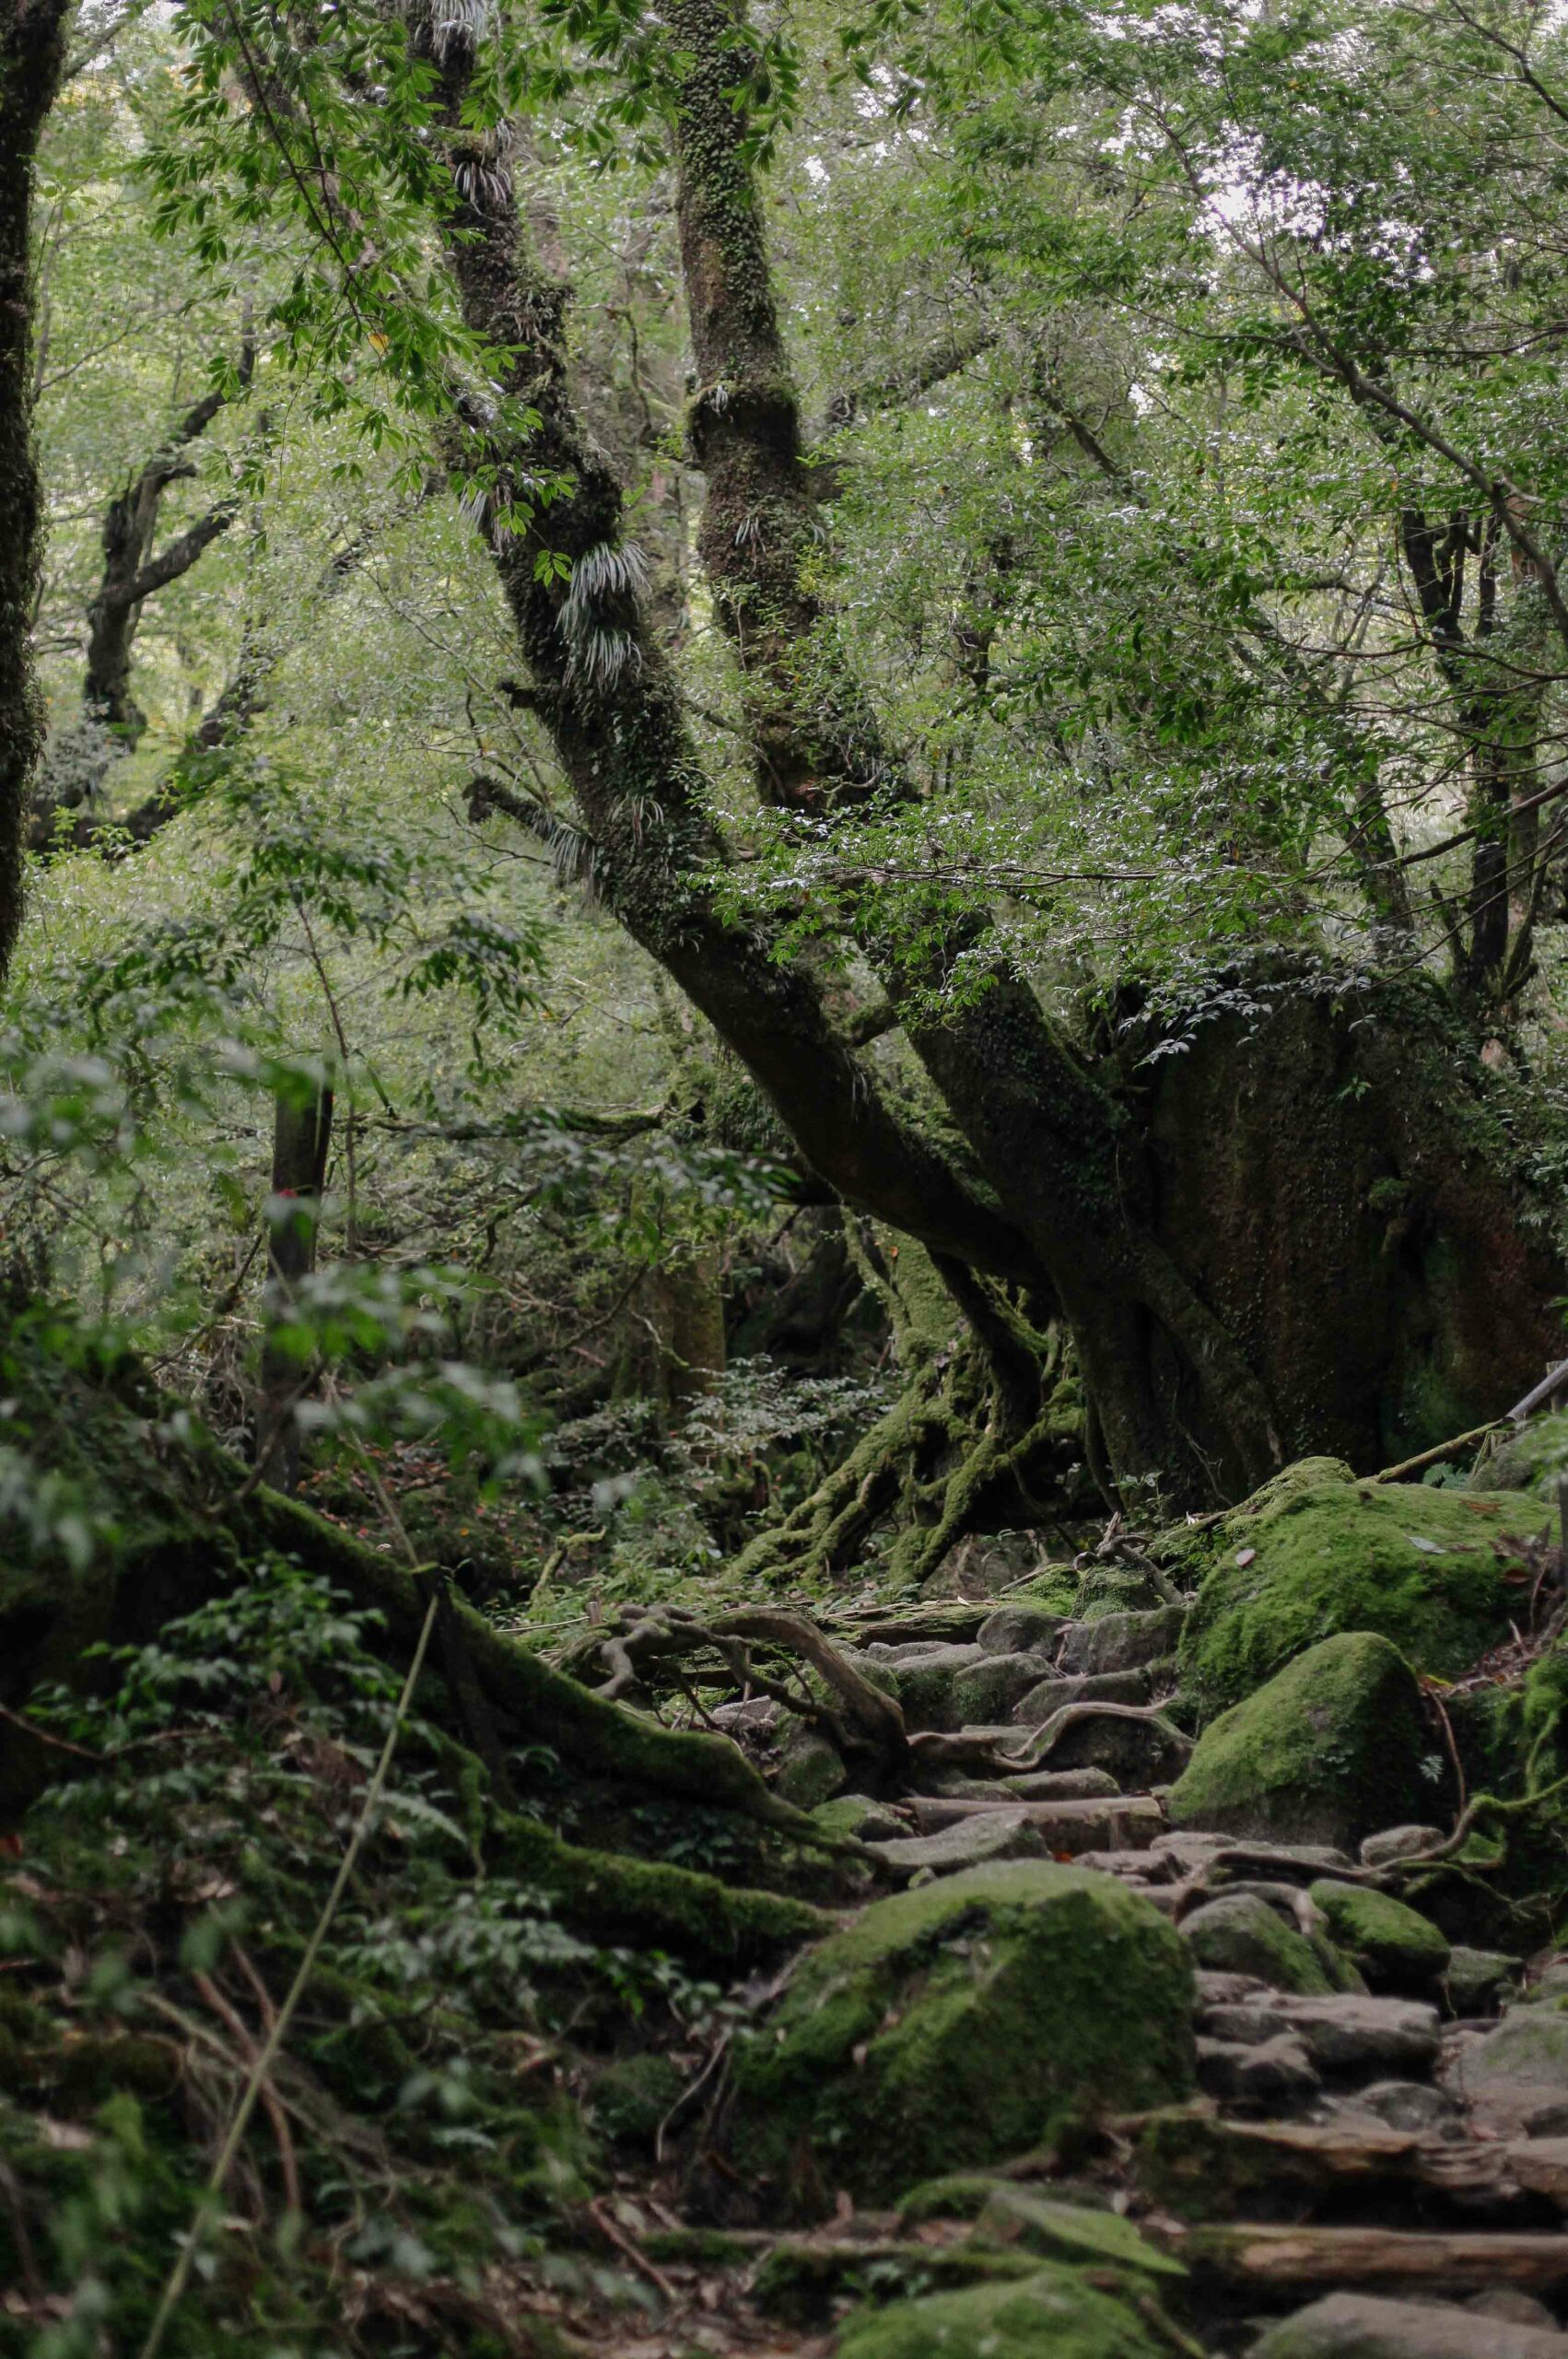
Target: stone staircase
[1368, 2173]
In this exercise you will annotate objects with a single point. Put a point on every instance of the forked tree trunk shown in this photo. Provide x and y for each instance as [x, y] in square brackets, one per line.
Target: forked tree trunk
[1066, 1192]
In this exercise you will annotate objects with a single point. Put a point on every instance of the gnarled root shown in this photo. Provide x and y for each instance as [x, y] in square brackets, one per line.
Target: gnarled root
[858, 1718]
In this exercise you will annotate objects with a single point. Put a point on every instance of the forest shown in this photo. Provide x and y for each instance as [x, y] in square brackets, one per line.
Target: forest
[783, 1178]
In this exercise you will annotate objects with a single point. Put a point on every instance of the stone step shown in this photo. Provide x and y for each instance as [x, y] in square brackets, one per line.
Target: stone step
[1060, 1785]
[965, 1843]
[1344, 2033]
[1120, 1822]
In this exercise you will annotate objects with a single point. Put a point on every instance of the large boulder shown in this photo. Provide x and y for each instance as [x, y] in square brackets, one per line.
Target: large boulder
[1315, 1551]
[1331, 1749]
[1365, 2326]
[1392, 1945]
[958, 2023]
[1054, 2315]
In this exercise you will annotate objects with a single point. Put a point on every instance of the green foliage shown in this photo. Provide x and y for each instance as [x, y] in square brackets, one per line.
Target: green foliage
[172, 1877]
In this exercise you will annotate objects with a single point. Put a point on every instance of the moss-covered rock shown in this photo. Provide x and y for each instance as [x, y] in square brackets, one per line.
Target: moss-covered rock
[1526, 2053]
[1074, 2232]
[856, 1817]
[986, 1691]
[810, 1769]
[956, 2024]
[1477, 1982]
[1426, 1568]
[1239, 1933]
[1392, 1943]
[1052, 2316]
[1325, 1752]
[1116, 1589]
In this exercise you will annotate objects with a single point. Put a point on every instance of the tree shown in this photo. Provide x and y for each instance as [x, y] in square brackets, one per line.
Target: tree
[1190, 1216]
[33, 57]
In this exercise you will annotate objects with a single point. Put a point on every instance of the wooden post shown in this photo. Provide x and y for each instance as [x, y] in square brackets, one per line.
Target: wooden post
[300, 1138]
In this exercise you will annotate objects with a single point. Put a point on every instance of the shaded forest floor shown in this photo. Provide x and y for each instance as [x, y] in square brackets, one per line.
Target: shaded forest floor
[846, 1982]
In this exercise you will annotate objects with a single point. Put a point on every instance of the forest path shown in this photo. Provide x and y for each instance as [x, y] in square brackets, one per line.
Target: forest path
[1353, 2178]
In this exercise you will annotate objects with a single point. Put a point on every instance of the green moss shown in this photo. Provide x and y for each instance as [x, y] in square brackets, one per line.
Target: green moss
[1115, 1589]
[1389, 1941]
[1240, 1933]
[958, 2195]
[811, 1770]
[800, 2283]
[1426, 1568]
[1054, 2315]
[1328, 1751]
[614, 1897]
[1073, 2232]
[956, 2024]
[1055, 1587]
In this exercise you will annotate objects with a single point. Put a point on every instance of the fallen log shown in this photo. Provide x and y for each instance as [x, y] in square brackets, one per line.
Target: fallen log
[1468, 2260]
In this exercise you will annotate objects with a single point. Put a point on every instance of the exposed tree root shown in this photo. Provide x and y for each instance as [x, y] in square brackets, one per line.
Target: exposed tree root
[861, 1717]
[533, 1703]
[985, 1757]
[48, 1621]
[826, 1532]
[926, 1467]
[611, 1897]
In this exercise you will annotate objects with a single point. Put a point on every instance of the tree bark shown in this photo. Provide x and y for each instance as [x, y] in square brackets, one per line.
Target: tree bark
[1052, 1141]
[604, 690]
[1181, 1393]
[33, 57]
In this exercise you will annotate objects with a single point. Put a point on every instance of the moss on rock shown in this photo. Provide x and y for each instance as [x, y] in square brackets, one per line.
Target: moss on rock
[1240, 1933]
[1324, 1554]
[1390, 1943]
[959, 2023]
[1074, 2232]
[1115, 1589]
[1052, 2316]
[1328, 1751]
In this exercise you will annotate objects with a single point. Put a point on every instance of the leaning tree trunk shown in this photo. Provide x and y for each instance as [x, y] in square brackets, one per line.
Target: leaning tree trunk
[1072, 1204]
[32, 53]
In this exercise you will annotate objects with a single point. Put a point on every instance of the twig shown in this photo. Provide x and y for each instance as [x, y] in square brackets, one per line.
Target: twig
[629, 2251]
[1443, 1450]
[689, 2094]
[1447, 1725]
[231, 2015]
[60, 1743]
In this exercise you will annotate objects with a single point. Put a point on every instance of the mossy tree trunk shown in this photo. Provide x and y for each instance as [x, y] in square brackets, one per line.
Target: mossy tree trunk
[32, 57]
[1057, 1190]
